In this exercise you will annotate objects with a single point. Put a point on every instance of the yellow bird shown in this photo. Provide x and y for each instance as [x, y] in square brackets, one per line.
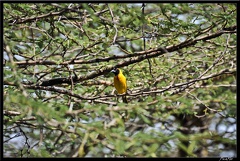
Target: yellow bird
[120, 83]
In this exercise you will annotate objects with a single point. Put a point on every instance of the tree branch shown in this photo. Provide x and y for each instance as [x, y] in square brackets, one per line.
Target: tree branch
[133, 58]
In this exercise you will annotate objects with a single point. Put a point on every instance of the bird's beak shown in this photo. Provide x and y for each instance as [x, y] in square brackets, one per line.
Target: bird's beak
[113, 71]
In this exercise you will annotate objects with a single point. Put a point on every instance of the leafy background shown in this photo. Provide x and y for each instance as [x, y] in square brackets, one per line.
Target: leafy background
[180, 64]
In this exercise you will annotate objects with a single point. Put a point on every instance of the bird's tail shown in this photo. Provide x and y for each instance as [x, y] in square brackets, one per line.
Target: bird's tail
[124, 99]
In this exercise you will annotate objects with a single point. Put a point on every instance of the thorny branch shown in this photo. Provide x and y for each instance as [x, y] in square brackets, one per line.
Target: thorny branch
[144, 93]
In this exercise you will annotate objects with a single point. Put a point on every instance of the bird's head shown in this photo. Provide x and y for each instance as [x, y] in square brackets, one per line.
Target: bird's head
[116, 71]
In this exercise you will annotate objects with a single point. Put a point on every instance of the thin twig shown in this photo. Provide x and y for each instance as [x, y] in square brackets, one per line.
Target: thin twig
[217, 111]
[114, 25]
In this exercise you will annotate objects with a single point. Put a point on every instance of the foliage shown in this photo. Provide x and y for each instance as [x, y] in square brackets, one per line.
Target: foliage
[179, 60]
